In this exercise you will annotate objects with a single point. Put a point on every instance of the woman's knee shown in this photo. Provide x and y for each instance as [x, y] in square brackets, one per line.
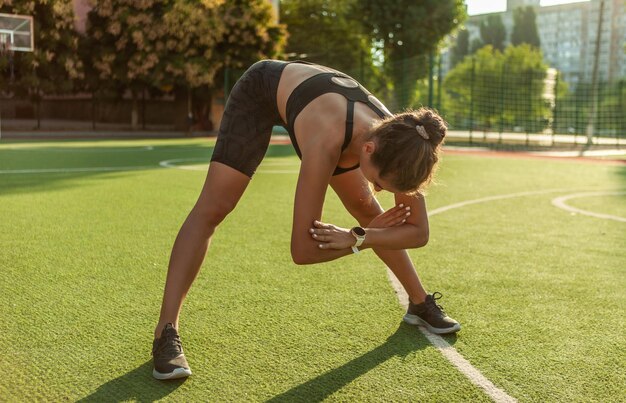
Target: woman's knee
[211, 215]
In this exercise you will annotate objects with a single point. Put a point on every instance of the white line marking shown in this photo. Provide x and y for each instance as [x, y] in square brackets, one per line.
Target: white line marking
[492, 198]
[560, 203]
[194, 167]
[449, 352]
[462, 364]
[48, 150]
[456, 359]
[203, 165]
[70, 170]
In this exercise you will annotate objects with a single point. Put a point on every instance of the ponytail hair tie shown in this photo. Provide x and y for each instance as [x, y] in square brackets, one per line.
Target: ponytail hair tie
[422, 132]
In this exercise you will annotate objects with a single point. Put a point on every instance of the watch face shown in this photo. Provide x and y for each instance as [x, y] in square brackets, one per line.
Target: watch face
[359, 231]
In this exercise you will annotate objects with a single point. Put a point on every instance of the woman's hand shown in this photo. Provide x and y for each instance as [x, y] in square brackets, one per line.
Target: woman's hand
[396, 215]
[331, 237]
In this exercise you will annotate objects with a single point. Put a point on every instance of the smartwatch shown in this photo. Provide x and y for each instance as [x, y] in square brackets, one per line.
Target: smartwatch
[359, 234]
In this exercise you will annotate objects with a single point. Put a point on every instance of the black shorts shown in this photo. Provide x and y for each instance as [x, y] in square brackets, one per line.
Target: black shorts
[250, 113]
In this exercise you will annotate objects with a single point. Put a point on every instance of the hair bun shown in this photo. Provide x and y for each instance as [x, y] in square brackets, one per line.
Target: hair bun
[433, 124]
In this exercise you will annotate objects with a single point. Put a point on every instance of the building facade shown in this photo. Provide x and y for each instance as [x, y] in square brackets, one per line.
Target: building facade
[568, 35]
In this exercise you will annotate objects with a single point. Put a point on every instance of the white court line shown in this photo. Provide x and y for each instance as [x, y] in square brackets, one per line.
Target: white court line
[462, 364]
[70, 170]
[560, 203]
[203, 165]
[195, 167]
[492, 198]
[450, 353]
[47, 150]
[162, 164]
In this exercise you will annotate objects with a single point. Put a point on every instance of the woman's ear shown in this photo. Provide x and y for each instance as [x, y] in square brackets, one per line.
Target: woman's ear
[369, 147]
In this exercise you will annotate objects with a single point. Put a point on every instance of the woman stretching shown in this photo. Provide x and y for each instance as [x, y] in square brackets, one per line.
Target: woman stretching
[345, 138]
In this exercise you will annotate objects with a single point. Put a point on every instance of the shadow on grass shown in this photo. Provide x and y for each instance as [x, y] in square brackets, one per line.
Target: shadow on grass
[405, 340]
[44, 169]
[137, 385]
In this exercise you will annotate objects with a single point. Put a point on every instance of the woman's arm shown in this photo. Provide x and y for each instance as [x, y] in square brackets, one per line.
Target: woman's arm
[412, 234]
[319, 160]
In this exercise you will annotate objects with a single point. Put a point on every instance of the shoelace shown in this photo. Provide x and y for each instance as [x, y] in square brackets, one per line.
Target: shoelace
[432, 303]
[171, 345]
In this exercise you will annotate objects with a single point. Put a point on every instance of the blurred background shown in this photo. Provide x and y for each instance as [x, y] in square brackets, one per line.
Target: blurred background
[530, 71]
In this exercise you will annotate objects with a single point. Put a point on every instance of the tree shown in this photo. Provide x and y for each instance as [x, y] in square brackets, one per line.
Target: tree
[53, 67]
[179, 45]
[148, 45]
[406, 32]
[461, 47]
[499, 90]
[493, 32]
[525, 27]
[326, 32]
[249, 34]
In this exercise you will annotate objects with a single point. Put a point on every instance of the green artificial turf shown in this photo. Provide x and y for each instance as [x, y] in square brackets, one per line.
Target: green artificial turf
[538, 290]
[611, 204]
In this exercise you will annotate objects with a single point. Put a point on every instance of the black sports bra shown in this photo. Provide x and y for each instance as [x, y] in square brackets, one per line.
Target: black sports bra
[323, 83]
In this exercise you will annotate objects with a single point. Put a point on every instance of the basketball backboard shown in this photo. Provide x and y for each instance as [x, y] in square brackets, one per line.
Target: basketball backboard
[16, 33]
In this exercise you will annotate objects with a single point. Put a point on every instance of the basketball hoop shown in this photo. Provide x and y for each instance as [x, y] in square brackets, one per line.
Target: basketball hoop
[16, 35]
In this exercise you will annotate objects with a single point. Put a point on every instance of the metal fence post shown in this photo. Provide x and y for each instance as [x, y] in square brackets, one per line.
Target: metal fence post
[555, 107]
[621, 127]
[431, 71]
[530, 106]
[439, 84]
[143, 109]
[38, 102]
[471, 117]
[93, 110]
[361, 64]
[577, 113]
[502, 74]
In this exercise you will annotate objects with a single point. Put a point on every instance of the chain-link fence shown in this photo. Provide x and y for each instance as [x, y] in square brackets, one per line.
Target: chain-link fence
[511, 105]
[87, 112]
[497, 106]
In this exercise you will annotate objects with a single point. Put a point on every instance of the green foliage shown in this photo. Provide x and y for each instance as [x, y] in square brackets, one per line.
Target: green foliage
[574, 107]
[493, 32]
[406, 32]
[137, 45]
[331, 33]
[53, 67]
[249, 33]
[176, 44]
[496, 89]
[525, 27]
[327, 32]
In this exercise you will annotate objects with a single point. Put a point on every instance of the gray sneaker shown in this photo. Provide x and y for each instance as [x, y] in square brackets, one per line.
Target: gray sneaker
[431, 315]
[167, 353]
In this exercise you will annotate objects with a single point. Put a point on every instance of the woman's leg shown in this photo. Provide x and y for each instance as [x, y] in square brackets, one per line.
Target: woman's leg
[221, 192]
[354, 192]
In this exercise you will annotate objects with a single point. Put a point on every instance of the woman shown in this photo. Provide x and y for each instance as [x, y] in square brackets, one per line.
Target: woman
[346, 139]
